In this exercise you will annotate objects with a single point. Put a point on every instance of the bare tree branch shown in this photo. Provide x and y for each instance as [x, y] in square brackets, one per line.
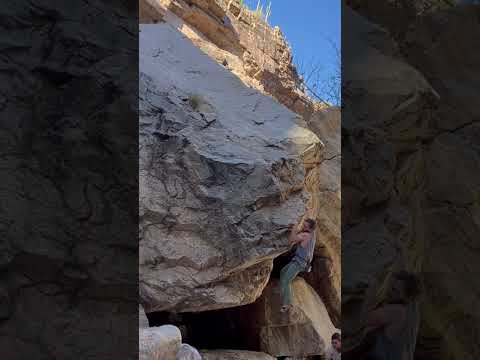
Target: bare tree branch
[327, 89]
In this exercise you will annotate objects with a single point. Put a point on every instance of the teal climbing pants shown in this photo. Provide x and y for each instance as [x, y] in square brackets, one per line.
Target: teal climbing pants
[287, 274]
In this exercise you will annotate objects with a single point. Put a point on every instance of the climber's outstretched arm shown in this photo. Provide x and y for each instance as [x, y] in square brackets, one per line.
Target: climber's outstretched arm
[385, 316]
[296, 237]
[293, 238]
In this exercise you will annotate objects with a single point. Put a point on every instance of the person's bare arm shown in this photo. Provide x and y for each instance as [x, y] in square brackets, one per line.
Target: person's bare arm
[378, 318]
[295, 236]
[306, 237]
[384, 316]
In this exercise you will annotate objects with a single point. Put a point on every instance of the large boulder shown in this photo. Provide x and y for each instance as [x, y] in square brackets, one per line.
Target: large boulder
[306, 331]
[234, 355]
[323, 183]
[142, 318]
[188, 352]
[386, 116]
[259, 55]
[221, 174]
[159, 343]
[410, 125]
[236, 37]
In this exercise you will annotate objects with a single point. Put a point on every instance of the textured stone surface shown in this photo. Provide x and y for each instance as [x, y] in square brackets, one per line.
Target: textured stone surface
[234, 355]
[261, 58]
[440, 42]
[420, 143]
[68, 194]
[5, 304]
[150, 12]
[374, 144]
[323, 183]
[159, 343]
[236, 38]
[221, 171]
[304, 332]
[142, 318]
[398, 16]
[188, 352]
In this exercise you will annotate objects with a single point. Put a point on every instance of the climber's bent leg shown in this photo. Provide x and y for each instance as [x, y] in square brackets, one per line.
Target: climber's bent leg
[283, 285]
[287, 274]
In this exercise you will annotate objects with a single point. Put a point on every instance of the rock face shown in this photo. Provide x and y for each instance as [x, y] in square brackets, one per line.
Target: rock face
[398, 16]
[323, 183]
[372, 149]
[68, 248]
[421, 143]
[452, 178]
[159, 343]
[221, 172]
[142, 318]
[304, 332]
[245, 44]
[235, 355]
[261, 58]
[246, 177]
[150, 12]
[188, 352]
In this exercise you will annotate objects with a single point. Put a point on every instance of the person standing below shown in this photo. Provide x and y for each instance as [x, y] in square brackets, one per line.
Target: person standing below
[334, 351]
[305, 241]
[387, 324]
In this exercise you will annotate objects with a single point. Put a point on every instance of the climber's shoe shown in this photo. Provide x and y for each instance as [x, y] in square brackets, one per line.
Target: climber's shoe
[286, 308]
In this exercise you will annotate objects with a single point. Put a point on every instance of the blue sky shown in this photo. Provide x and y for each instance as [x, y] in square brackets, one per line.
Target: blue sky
[310, 26]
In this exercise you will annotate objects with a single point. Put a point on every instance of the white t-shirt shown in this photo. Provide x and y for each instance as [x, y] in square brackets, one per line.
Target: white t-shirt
[332, 354]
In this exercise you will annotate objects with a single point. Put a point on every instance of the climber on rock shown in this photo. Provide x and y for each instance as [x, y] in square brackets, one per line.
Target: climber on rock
[305, 242]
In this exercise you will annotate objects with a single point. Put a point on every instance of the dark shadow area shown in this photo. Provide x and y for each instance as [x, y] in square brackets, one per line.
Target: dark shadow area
[279, 262]
[69, 180]
[232, 328]
[429, 348]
